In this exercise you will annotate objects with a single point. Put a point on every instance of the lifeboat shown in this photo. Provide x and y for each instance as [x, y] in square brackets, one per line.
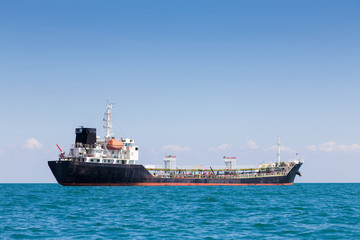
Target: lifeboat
[114, 144]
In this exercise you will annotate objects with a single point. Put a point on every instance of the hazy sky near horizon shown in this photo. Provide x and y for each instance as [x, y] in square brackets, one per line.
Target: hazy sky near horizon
[195, 79]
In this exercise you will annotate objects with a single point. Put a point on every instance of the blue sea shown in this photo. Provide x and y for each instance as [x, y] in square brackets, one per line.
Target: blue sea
[301, 211]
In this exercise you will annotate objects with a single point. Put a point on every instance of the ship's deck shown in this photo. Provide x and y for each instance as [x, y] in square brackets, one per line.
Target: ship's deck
[209, 173]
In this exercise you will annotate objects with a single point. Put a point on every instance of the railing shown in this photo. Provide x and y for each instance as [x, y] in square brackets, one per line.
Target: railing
[201, 168]
[248, 172]
[221, 176]
[222, 169]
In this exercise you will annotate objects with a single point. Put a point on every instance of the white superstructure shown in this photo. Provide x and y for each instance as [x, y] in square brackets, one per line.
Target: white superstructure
[89, 148]
[170, 162]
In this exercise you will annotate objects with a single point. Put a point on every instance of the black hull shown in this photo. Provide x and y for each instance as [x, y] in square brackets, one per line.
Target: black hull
[70, 173]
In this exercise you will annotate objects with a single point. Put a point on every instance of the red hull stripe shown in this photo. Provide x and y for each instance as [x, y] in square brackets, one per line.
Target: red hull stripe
[172, 184]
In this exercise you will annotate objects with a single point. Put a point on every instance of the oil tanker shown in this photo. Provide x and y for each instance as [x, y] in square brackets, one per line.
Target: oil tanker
[111, 162]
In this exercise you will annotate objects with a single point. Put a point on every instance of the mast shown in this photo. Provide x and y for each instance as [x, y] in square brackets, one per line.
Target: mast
[278, 150]
[107, 121]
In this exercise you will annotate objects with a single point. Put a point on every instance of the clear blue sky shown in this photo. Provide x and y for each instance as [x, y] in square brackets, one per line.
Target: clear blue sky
[198, 79]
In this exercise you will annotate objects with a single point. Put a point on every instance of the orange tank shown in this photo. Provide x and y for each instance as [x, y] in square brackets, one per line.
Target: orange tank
[114, 144]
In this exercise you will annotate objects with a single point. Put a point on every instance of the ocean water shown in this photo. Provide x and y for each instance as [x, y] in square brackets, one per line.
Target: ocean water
[301, 211]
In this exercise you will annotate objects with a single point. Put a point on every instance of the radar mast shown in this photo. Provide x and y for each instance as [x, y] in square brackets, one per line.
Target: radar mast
[107, 121]
[278, 150]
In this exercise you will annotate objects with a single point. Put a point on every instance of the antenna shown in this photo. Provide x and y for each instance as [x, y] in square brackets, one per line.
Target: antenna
[107, 120]
[278, 150]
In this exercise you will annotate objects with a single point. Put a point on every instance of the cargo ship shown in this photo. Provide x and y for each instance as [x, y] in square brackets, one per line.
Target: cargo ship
[92, 161]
